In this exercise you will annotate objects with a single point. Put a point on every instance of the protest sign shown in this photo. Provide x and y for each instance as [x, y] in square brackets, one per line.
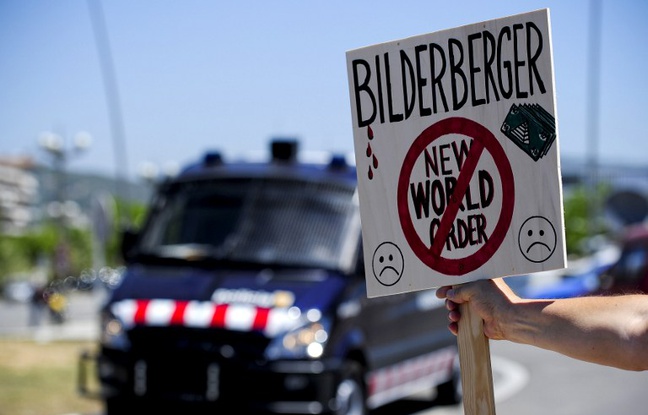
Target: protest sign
[456, 145]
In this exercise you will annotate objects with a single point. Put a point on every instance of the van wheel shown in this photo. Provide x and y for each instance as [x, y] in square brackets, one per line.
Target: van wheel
[350, 393]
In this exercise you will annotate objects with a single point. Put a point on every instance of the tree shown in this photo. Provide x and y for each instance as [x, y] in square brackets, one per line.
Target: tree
[582, 218]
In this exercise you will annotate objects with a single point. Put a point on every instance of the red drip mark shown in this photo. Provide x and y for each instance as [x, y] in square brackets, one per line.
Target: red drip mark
[177, 318]
[370, 173]
[375, 162]
[218, 319]
[369, 133]
[369, 151]
[140, 311]
[261, 319]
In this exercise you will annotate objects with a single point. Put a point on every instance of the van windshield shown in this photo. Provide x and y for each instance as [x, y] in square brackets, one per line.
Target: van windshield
[278, 221]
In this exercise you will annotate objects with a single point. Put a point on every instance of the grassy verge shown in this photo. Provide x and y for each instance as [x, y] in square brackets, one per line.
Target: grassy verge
[41, 378]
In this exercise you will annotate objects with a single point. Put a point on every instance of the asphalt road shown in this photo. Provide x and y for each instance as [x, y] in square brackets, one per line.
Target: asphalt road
[531, 381]
[527, 380]
[81, 321]
[559, 385]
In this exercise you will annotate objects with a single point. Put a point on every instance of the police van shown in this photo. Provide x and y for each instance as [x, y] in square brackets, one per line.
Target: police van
[244, 292]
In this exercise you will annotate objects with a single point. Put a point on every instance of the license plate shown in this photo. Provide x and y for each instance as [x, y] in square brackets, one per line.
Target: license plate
[198, 382]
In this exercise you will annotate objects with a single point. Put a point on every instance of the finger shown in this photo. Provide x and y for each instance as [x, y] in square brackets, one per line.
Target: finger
[454, 316]
[458, 294]
[454, 328]
[451, 294]
[441, 292]
[451, 305]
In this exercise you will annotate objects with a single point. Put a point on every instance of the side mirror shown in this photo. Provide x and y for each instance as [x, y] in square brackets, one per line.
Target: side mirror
[128, 243]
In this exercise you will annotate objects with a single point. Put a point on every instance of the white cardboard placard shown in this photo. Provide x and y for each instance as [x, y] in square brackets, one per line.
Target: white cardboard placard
[456, 146]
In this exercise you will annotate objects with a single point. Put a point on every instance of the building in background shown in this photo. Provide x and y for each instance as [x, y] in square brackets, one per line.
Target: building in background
[19, 193]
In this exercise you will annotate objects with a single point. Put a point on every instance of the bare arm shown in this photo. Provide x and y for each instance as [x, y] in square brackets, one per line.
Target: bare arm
[608, 330]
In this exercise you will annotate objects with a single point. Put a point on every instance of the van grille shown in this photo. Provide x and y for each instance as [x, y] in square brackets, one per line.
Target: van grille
[211, 343]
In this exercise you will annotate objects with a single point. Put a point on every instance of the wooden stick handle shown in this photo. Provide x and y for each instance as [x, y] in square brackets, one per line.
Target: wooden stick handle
[475, 363]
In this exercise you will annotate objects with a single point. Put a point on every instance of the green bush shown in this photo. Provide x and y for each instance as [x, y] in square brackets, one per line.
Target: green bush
[67, 250]
[583, 217]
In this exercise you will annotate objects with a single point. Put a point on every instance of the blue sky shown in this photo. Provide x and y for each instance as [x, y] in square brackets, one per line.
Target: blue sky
[196, 75]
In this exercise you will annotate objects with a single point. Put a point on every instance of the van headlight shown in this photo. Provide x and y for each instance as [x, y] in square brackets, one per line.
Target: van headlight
[112, 333]
[305, 341]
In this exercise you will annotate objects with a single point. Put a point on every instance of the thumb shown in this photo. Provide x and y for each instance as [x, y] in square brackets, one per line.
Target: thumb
[456, 294]
[462, 293]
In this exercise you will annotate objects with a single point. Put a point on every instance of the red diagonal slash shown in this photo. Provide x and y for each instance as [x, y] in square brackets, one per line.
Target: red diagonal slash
[460, 189]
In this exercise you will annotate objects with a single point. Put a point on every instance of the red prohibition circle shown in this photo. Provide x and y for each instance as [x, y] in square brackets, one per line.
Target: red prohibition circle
[483, 140]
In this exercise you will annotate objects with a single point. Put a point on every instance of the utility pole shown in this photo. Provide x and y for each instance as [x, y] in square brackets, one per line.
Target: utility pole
[593, 103]
[112, 97]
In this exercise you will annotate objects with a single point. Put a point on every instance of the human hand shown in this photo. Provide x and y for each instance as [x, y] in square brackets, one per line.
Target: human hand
[490, 299]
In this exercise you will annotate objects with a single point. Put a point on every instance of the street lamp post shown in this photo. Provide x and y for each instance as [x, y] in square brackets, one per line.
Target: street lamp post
[54, 145]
